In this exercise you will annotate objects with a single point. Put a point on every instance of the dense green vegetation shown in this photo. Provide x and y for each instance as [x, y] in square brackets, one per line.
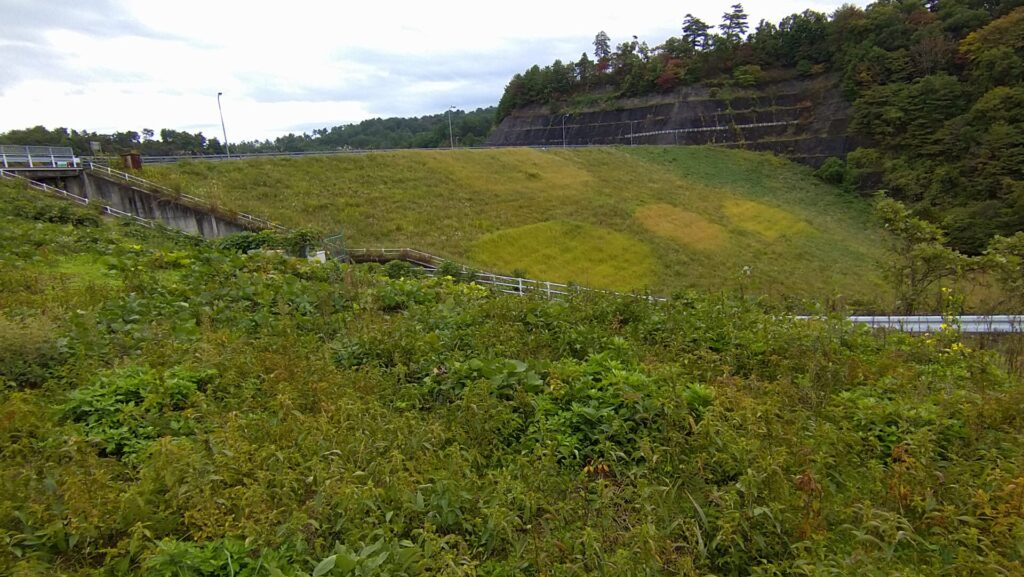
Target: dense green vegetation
[937, 88]
[171, 409]
[624, 219]
[468, 129]
[431, 131]
[169, 141]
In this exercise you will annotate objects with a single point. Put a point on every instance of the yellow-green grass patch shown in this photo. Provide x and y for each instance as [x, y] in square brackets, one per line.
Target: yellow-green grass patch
[767, 221]
[565, 251]
[687, 228]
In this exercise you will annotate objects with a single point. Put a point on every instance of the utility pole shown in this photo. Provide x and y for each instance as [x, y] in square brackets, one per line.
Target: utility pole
[221, 111]
[564, 116]
[451, 134]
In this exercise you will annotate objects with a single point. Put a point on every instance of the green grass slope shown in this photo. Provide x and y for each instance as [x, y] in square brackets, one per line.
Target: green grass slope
[616, 218]
[168, 409]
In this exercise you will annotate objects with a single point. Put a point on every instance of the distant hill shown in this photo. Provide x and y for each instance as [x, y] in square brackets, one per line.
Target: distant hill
[431, 131]
[663, 218]
[936, 89]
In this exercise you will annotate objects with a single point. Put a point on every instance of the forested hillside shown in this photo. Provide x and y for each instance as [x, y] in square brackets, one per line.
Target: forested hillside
[175, 409]
[468, 129]
[936, 88]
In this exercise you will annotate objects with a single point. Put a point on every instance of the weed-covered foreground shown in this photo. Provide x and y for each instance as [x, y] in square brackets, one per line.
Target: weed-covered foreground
[172, 410]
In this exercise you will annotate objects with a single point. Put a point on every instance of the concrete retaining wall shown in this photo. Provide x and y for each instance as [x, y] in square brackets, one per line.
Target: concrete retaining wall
[151, 206]
[804, 119]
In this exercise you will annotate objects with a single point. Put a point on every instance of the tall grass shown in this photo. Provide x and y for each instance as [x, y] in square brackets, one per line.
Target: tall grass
[171, 410]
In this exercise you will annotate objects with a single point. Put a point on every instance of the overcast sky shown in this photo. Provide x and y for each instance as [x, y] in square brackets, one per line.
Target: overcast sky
[296, 65]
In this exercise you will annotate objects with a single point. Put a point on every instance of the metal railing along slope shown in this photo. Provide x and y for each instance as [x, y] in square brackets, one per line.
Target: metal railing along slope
[105, 209]
[165, 159]
[505, 284]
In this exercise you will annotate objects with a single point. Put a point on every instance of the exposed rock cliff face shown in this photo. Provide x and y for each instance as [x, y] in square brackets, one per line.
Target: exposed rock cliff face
[806, 120]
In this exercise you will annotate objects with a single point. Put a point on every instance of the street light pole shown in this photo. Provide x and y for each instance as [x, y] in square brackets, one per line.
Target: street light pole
[564, 116]
[221, 111]
[451, 134]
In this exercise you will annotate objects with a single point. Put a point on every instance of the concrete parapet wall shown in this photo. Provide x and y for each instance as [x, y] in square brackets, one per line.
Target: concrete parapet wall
[151, 206]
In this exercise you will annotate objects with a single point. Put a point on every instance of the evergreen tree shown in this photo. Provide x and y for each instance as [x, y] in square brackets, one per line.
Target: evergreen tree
[695, 32]
[585, 69]
[602, 46]
[734, 24]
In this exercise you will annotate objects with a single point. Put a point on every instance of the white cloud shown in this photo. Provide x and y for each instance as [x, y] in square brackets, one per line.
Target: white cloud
[300, 63]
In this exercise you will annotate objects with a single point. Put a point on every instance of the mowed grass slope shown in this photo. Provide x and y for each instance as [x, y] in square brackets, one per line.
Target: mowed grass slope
[658, 218]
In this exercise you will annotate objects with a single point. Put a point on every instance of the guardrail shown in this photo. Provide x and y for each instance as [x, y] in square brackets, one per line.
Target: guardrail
[131, 179]
[935, 323]
[165, 159]
[19, 157]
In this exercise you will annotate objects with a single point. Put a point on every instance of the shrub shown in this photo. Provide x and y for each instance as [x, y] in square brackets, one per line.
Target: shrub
[832, 171]
[125, 410]
[55, 211]
[248, 241]
[30, 352]
[455, 271]
[747, 76]
[397, 269]
[298, 242]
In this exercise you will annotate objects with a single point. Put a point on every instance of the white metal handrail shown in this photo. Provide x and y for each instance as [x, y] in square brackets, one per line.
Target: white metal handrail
[106, 209]
[44, 187]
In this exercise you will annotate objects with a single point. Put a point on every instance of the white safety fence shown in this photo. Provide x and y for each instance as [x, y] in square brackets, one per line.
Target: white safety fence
[105, 209]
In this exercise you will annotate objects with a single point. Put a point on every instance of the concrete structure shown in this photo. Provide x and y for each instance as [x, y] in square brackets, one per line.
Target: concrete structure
[144, 204]
[806, 120]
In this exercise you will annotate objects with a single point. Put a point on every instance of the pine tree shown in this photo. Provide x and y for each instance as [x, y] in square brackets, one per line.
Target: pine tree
[602, 46]
[695, 32]
[734, 24]
[585, 69]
